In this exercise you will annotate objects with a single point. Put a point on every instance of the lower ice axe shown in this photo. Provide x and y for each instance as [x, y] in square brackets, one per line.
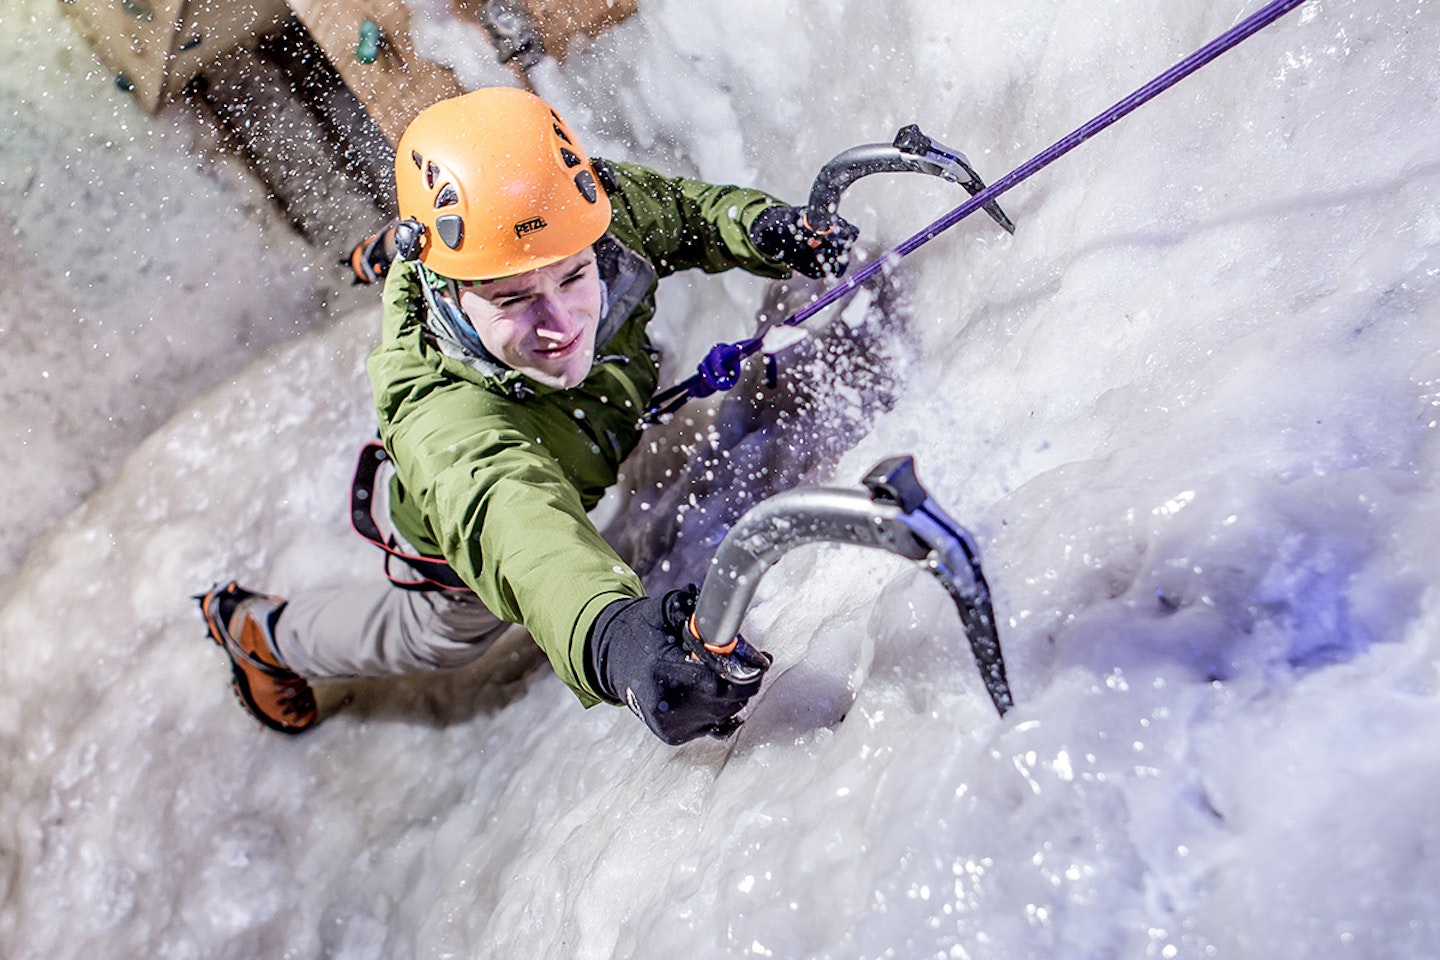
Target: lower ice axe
[894, 513]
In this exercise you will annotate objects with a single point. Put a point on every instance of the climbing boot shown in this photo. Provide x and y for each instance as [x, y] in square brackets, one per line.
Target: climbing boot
[242, 623]
[370, 259]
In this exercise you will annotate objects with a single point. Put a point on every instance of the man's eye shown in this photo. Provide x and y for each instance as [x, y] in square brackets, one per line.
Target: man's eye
[507, 302]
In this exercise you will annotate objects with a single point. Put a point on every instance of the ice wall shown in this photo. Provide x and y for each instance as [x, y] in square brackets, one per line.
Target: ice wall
[1189, 410]
[138, 267]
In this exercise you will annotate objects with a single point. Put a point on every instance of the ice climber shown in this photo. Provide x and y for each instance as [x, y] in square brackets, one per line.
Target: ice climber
[509, 380]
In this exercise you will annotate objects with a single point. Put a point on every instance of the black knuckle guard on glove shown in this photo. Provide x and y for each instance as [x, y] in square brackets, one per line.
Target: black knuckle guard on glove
[635, 655]
[781, 233]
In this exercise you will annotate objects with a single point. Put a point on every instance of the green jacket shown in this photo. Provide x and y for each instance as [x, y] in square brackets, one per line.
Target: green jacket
[496, 472]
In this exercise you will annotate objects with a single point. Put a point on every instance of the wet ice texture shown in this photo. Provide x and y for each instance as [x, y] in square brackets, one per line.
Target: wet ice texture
[137, 269]
[1189, 410]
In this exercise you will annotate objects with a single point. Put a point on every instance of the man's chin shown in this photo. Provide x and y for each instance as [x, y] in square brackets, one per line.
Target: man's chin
[570, 376]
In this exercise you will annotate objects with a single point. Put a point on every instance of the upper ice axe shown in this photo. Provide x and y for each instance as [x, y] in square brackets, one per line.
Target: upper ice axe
[893, 513]
[912, 151]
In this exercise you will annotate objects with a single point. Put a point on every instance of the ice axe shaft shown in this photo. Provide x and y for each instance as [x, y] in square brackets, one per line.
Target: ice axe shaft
[894, 513]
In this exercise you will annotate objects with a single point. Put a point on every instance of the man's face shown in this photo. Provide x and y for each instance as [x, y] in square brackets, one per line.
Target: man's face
[541, 323]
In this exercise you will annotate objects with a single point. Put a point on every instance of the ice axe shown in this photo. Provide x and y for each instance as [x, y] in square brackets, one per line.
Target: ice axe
[911, 151]
[894, 513]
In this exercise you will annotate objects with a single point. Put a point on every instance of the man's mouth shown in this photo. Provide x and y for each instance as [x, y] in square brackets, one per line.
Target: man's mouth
[560, 349]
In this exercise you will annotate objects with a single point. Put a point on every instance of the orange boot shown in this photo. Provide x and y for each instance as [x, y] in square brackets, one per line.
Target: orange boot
[371, 258]
[240, 621]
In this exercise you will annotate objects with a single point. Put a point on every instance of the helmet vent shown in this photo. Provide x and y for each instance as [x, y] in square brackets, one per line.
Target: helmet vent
[419, 160]
[585, 183]
[432, 173]
[559, 132]
[451, 229]
[448, 197]
[570, 159]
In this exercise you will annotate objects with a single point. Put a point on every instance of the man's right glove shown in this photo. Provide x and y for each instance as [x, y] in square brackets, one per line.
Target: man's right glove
[635, 655]
[781, 233]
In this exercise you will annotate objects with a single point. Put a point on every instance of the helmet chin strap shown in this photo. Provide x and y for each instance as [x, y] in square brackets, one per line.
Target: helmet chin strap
[449, 323]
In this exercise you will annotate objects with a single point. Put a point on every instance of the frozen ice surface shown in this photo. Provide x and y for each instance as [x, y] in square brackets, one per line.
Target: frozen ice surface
[1189, 410]
[137, 268]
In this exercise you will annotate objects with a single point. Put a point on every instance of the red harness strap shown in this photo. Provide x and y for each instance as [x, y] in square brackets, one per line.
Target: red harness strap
[433, 572]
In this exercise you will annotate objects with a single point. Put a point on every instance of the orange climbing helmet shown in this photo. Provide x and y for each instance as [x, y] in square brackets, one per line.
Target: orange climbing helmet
[494, 183]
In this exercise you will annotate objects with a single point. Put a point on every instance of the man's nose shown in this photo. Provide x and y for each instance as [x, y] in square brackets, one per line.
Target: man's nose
[552, 320]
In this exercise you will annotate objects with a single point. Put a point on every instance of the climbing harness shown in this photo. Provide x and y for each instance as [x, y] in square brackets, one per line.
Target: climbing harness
[982, 198]
[431, 573]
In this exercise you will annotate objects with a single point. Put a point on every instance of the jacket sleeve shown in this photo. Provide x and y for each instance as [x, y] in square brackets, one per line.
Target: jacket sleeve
[679, 223]
[496, 501]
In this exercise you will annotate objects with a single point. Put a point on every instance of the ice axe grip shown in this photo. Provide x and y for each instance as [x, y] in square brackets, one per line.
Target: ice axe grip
[735, 660]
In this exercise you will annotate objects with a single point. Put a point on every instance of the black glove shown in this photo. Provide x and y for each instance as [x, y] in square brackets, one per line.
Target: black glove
[634, 653]
[781, 233]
